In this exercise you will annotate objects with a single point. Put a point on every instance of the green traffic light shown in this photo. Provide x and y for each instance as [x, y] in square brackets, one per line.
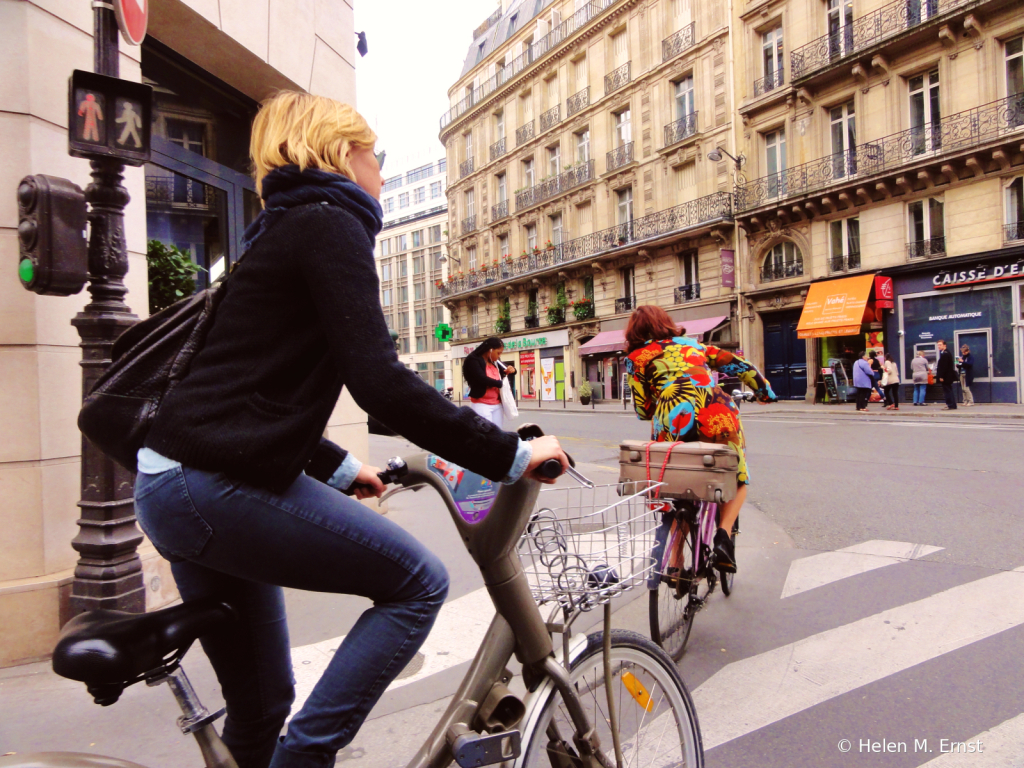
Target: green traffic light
[27, 271]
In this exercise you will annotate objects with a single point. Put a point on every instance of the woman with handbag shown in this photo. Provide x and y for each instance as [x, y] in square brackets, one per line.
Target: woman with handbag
[236, 485]
[485, 374]
[919, 375]
[891, 383]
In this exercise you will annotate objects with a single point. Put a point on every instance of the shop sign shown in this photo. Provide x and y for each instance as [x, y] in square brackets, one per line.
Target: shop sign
[728, 269]
[987, 274]
[957, 316]
[883, 292]
[526, 358]
[558, 338]
[547, 378]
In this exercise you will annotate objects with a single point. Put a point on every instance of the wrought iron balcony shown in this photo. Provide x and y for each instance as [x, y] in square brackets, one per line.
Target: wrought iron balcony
[675, 44]
[551, 118]
[926, 249]
[620, 157]
[524, 133]
[769, 82]
[465, 168]
[556, 185]
[497, 149]
[781, 270]
[693, 215]
[532, 321]
[577, 102]
[499, 211]
[841, 263]
[681, 129]
[963, 130]
[886, 22]
[616, 78]
[685, 293]
[625, 304]
[178, 192]
[469, 225]
[1013, 231]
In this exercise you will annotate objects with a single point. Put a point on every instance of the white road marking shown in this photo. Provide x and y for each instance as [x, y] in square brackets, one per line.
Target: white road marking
[763, 689]
[454, 639]
[827, 567]
[1001, 747]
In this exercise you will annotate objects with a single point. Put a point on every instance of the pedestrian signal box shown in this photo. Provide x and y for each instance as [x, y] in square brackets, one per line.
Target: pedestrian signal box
[109, 117]
[53, 257]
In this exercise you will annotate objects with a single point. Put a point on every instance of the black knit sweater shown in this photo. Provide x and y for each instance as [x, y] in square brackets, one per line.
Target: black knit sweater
[300, 319]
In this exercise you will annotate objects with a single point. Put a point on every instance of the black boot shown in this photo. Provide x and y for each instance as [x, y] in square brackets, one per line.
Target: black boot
[725, 552]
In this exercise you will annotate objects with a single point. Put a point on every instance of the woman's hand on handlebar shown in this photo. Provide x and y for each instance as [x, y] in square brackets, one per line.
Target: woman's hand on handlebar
[367, 484]
[545, 448]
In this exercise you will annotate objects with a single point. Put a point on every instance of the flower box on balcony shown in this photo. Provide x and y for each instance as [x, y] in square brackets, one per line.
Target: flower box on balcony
[583, 309]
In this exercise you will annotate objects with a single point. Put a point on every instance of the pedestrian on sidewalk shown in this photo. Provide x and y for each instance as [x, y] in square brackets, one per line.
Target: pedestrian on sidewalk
[876, 374]
[919, 373]
[967, 374]
[484, 373]
[891, 383]
[945, 372]
[863, 381]
[238, 489]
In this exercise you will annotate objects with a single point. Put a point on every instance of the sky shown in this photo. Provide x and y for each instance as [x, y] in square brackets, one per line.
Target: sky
[416, 53]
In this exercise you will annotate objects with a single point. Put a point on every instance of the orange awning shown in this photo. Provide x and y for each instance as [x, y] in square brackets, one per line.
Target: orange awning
[835, 308]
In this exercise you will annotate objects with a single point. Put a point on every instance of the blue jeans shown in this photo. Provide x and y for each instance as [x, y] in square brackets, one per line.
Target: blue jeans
[242, 544]
[919, 390]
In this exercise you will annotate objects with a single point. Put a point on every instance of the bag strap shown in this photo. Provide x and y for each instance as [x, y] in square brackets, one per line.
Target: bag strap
[664, 466]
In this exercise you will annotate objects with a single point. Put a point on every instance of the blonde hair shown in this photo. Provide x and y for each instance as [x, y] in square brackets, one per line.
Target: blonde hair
[294, 128]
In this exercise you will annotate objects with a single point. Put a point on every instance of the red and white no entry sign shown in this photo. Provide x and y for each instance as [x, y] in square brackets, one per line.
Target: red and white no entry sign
[132, 18]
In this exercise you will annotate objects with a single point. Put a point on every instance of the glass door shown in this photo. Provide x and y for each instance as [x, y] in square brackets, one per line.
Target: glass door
[844, 140]
[925, 113]
[980, 344]
[840, 27]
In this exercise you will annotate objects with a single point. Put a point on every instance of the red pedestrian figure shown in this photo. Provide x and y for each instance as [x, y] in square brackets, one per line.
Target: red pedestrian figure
[92, 112]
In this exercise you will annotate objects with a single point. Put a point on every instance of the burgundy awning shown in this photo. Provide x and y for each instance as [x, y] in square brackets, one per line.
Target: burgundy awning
[615, 341]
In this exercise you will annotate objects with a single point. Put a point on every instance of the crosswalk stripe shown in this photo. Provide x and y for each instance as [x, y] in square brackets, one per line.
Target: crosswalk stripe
[828, 567]
[763, 689]
[1000, 747]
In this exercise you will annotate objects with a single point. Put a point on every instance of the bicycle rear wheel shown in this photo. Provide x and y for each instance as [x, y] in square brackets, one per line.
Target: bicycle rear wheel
[658, 725]
[673, 605]
[727, 577]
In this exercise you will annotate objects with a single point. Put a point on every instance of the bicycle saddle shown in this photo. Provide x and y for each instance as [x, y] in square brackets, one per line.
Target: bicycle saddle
[110, 650]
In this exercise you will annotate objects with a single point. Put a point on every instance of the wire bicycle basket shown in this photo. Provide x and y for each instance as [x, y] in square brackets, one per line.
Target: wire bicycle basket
[584, 546]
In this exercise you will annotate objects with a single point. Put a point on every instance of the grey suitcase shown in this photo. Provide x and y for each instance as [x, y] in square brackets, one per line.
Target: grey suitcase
[695, 471]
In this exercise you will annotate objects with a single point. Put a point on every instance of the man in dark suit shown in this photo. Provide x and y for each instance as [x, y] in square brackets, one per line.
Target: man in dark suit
[945, 372]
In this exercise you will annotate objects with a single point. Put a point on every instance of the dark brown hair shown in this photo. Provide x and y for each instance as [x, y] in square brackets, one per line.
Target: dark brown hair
[649, 322]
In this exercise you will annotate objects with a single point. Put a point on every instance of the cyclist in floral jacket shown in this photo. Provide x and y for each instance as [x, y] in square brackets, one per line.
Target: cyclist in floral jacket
[672, 387]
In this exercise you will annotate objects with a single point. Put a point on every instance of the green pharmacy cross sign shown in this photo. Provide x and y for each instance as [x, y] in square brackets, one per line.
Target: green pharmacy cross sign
[444, 332]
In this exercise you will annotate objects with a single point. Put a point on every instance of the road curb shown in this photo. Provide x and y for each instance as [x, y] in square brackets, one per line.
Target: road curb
[824, 412]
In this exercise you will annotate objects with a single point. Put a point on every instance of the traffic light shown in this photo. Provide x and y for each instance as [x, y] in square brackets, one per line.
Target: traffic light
[53, 255]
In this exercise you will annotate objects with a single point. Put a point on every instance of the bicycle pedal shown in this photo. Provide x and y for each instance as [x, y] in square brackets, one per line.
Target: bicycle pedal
[472, 749]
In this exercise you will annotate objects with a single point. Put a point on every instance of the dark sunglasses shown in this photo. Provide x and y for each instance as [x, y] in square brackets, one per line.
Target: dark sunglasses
[380, 158]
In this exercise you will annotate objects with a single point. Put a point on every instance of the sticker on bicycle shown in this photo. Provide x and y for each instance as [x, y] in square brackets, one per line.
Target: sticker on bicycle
[473, 494]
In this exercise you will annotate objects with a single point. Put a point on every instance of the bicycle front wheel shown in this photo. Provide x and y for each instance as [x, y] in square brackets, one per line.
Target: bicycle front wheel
[657, 720]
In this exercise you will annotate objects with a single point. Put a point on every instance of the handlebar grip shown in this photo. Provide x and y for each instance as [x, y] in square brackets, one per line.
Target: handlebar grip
[551, 468]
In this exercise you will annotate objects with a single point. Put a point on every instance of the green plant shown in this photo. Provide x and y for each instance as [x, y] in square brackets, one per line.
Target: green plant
[556, 315]
[531, 309]
[584, 389]
[561, 300]
[172, 274]
[583, 309]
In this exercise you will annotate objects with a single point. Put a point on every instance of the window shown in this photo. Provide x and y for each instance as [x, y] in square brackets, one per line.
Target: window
[421, 318]
[625, 206]
[389, 321]
[623, 128]
[403, 320]
[442, 165]
[393, 183]
[684, 97]
[419, 195]
[470, 204]
[680, 13]
[417, 238]
[503, 246]
[771, 52]
[387, 297]
[417, 264]
[502, 188]
[385, 270]
[689, 271]
[531, 236]
[926, 226]
[840, 27]
[686, 182]
[556, 229]
[588, 287]
[526, 107]
[403, 199]
[1015, 66]
[419, 291]
[403, 268]
[435, 190]
[584, 218]
[844, 140]
[403, 294]
[579, 73]
[784, 260]
[926, 135]
[471, 258]
[628, 284]
[1015, 209]
[435, 258]
[554, 160]
[434, 233]
[403, 243]
[437, 315]
[419, 173]
[512, 25]
[620, 49]
[583, 146]
[499, 125]
[405, 345]
[421, 343]
[775, 161]
[467, 146]
[389, 204]
[385, 248]
[528, 173]
[845, 244]
[551, 90]
[474, 318]
[919, 10]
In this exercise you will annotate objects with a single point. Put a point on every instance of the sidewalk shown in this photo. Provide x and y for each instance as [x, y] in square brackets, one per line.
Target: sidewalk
[795, 408]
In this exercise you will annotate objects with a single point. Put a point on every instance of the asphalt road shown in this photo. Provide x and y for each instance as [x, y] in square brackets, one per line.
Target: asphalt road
[876, 602]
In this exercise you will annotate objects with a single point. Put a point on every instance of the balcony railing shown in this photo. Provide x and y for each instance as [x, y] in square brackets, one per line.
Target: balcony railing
[675, 44]
[1013, 231]
[781, 270]
[956, 132]
[681, 129]
[769, 82]
[888, 21]
[841, 263]
[556, 185]
[469, 225]
[499, 211]
[577, 102]
[620, 157]
[926, 249]
[625, 304]
[530, 56]
[524, 133]
[551, 118]
[178, 192]
[497, 149]
[531, 321]
[685, 293]
[465, 168]
[714, 207]
[616, 78]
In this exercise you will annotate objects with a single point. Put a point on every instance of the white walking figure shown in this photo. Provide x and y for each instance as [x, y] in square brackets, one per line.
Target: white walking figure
[132, 122]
